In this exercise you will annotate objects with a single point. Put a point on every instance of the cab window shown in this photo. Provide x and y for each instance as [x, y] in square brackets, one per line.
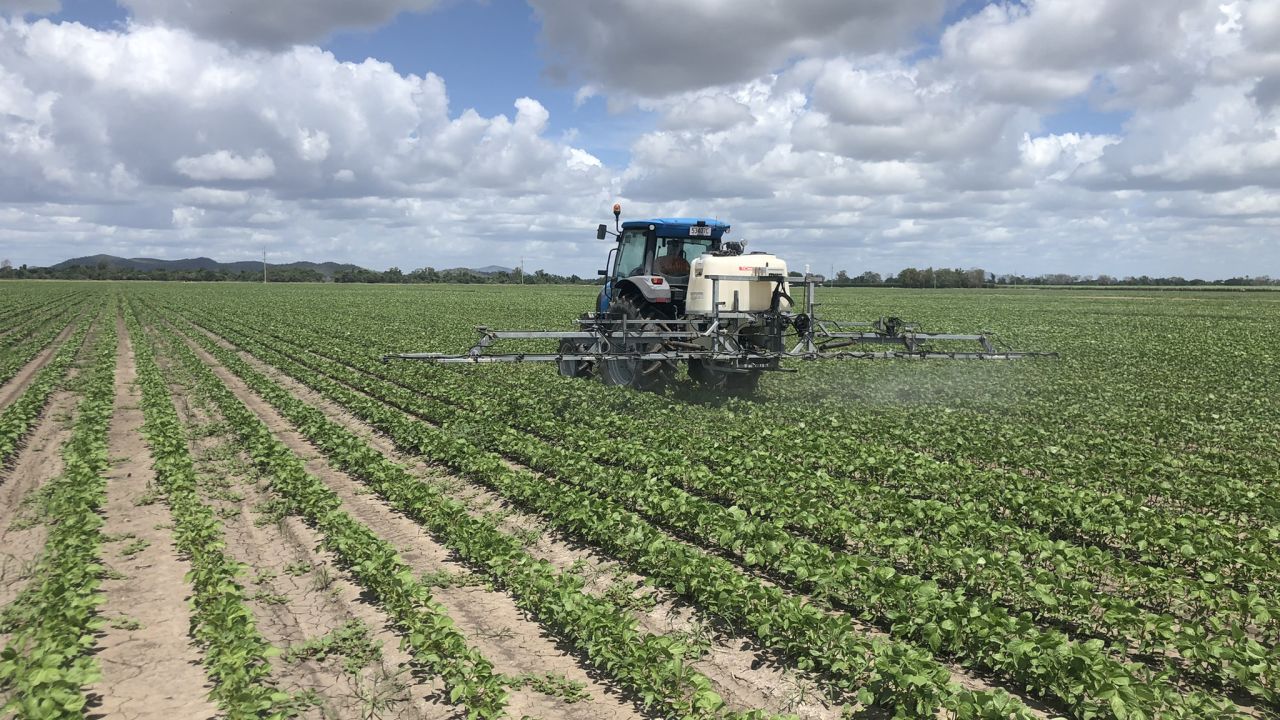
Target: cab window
[630, 254]
[674, 256]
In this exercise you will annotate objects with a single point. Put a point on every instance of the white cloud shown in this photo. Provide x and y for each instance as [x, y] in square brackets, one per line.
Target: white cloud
[214, 197]
[273, 24]
[152, 129]
[656, 48]
[1058, 156]
[1218, 140]
[706, 112]
[859, 96]
[223, 165]
[821, 135]
[818, 172]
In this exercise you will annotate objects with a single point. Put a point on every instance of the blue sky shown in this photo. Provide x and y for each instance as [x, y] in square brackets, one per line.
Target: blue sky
[488, 55]
[1041, 136]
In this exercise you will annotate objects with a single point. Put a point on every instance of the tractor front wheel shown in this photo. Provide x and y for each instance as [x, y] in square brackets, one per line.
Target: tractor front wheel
[573, 368]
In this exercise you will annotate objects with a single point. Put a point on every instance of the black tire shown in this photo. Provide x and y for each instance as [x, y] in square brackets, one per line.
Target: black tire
[746, 383]
[734, 383]
[705, 376]
[573, 368]
[641, 375]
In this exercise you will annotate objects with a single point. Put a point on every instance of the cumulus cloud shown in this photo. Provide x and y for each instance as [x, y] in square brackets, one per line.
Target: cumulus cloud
[655, 48]
[223, 165]
[154, 128]
[1058, 156]
[831, 133]
[274, 24]
[168, 109]
[864, 155]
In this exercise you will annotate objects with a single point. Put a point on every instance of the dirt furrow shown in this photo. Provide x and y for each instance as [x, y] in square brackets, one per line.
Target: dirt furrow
[489, 619]
[341, 657]
[19, 382]
[145, 609]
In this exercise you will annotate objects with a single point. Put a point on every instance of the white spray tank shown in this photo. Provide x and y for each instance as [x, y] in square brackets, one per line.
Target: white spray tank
[754, 293]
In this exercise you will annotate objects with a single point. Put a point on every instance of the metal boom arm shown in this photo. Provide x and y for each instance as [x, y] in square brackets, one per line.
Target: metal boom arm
[602, 337]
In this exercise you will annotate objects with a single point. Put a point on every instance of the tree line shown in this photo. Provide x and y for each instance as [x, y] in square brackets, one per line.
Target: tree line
[977, 277]
[907, 277]
[459, 275]
[103, 271]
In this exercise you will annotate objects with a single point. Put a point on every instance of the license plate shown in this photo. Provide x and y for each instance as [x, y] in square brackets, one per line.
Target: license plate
[700, 231]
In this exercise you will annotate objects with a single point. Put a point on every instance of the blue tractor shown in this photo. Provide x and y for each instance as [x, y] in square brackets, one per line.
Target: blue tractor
[677, 291]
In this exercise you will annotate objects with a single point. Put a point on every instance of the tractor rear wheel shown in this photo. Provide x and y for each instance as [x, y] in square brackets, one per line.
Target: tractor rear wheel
[631, 372]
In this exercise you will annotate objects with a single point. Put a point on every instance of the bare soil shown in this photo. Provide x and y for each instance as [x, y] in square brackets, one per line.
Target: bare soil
[146, 635]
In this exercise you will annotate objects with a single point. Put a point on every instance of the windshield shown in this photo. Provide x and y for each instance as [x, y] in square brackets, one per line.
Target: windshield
[673, 255]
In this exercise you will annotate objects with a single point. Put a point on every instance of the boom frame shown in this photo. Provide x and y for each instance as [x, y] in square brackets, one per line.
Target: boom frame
[601, 338]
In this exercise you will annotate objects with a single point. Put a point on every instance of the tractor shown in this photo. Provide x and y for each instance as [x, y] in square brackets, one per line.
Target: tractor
[676, 290]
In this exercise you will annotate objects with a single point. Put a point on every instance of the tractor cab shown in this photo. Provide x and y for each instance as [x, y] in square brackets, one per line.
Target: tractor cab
[652, 259]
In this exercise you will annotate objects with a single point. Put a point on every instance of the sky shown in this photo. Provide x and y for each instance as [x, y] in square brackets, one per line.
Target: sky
[1079, 136]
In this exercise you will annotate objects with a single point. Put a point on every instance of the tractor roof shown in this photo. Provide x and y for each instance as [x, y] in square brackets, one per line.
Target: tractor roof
[678, 227]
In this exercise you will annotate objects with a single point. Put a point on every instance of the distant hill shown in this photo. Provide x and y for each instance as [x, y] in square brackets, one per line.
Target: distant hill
[486, 270]
[328, 269]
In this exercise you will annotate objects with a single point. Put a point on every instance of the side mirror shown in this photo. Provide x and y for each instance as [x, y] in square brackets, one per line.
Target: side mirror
[602, 273]
[601, 231]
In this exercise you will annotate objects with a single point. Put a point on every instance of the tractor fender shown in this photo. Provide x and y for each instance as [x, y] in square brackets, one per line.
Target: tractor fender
[605, 296]
[645, 286]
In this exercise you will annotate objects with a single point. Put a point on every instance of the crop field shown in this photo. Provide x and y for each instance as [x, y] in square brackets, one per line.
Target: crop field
[217, 501]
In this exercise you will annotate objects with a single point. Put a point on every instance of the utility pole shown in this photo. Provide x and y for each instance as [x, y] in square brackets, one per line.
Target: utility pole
[521, 269]
[264, 266]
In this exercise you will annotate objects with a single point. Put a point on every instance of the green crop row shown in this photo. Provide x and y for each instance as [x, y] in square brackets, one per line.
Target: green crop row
[653, 667]
[1054, 489]
[1246, 559]
[1234, 617]
[30, 340]
[1216, 652]
[47, 661]
[34, 302]
[21, 324]
[1135, 522]
[435, 644]
[235, 654]
[975, 631]
[885, 673]
[18, 416]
